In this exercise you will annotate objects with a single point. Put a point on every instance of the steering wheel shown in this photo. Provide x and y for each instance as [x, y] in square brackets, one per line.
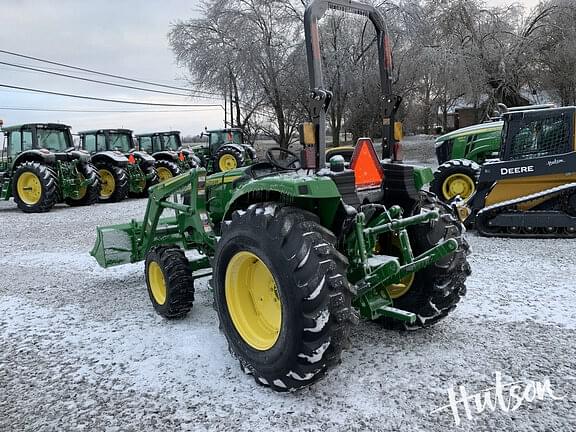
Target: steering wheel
[291, 162]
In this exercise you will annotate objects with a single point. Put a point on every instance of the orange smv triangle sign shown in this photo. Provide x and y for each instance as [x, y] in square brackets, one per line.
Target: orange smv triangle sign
[366, 165]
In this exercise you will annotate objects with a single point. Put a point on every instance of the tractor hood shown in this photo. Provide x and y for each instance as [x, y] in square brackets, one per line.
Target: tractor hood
[471, 130]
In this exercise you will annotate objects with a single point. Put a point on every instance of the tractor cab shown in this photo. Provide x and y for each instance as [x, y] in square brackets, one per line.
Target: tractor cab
[217, 138]
[166, 147]
[47, 138]
[159, 142]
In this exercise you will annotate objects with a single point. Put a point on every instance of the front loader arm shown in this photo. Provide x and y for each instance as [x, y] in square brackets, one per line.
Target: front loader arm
[190, 227]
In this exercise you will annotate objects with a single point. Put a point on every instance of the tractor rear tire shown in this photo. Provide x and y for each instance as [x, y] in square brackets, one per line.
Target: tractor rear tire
[115, 185]
[167, 169]
[284, 257]
[35, 188]
[455, 177]
[434, 291]
[92, 192]
[169, 281]
[228, 158]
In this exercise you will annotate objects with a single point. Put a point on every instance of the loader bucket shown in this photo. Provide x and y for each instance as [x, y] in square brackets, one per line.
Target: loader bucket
[116, 245]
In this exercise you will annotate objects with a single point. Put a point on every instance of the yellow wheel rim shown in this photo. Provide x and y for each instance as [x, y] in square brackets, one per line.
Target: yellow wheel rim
[83, 190]
[253, 302]
[108, 184]
[458, 184]
[157, 282]
[164, 174]
[29, 188]
[227, 162]
[397, 290]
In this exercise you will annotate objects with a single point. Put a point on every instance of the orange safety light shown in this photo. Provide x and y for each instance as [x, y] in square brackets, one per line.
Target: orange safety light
[366, 165]
[181, 157]
[131, 159]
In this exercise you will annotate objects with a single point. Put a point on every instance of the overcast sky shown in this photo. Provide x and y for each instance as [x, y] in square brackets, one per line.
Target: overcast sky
[124, 37]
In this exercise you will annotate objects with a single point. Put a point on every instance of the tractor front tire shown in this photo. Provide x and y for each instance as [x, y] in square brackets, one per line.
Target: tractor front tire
[436, 290]
[457, 177]
[228, 158]
[169, 281]
[90, 194]
[35, 188]
[282, 296]
[114, 180]
[167, 169]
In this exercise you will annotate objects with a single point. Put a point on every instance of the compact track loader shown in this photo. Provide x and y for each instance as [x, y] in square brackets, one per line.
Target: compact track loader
[295, 258]
[531, 190]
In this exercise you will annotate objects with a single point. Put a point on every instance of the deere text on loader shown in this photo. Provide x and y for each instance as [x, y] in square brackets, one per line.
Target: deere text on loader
[39, 167]
[295, 258]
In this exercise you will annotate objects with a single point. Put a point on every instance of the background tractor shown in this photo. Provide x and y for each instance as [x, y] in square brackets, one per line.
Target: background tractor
[461, 153]
[171, 158]
[226, 150]
[531, 190]
[295, 258]
[110, 148]
[39, 167]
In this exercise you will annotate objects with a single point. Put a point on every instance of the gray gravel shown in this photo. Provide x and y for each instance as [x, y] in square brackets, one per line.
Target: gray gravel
[82, 349]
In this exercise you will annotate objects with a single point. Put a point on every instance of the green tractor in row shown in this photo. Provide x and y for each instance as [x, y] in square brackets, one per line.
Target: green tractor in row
[462, 152]
[124, 170]
[296, 258]
[172, 159]
[39, 167]
[226, 150]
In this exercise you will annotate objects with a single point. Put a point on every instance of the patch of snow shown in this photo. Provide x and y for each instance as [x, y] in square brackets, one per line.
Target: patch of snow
[320, 321]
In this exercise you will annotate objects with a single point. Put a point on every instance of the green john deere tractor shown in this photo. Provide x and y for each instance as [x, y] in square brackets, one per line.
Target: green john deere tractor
[226, 150]
[462, 152]
[171, 158]
[123, 169]
[295, 258]
[39, 167]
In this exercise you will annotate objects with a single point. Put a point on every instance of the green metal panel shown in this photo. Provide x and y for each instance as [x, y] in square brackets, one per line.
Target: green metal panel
[422, 176]
[317, 194]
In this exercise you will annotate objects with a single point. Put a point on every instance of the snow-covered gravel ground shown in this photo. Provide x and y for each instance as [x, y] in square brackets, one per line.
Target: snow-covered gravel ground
[82, 349]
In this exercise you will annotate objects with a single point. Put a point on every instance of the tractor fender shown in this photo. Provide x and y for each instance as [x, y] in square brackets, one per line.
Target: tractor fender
[42, 156]
[116, 158]
[166, 155]
[80, 155]
[251, 151]
[317, 194]
[144, 159]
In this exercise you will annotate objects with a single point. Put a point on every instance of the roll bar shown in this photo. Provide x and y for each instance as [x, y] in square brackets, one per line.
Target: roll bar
[320, 96]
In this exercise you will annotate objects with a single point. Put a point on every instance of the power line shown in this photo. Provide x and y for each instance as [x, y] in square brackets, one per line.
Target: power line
[92, 80]
[107, 100]
[104, 111]
[104, 73]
